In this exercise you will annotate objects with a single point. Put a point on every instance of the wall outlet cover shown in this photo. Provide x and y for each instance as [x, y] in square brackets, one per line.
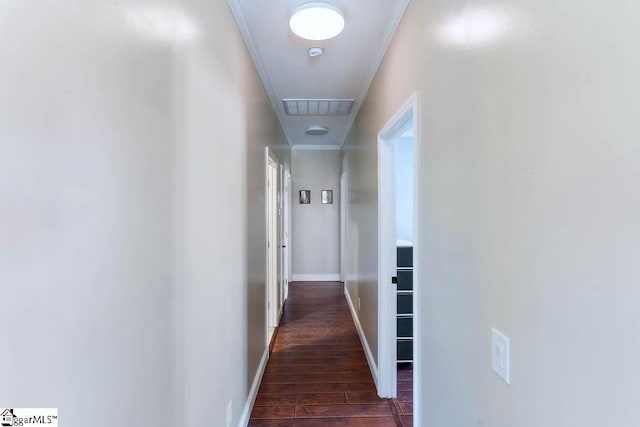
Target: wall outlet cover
[500, 355]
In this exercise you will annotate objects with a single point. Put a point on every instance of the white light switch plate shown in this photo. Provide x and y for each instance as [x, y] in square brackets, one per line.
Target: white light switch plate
[500, 355]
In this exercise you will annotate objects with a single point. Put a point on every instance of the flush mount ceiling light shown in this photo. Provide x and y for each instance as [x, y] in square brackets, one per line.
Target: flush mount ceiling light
[317, 21]
[316, 130]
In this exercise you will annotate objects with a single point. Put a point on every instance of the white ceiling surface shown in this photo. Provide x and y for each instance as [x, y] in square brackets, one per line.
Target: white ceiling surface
[345, 70]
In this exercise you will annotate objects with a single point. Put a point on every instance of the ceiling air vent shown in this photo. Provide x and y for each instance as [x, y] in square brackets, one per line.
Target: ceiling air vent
[318, 107]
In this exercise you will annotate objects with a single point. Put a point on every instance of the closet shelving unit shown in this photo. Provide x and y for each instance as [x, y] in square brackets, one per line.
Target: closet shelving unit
[405, 304]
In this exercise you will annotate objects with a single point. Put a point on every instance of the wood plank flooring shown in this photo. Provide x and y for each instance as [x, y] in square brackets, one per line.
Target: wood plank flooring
[317, 374]
[403, 404]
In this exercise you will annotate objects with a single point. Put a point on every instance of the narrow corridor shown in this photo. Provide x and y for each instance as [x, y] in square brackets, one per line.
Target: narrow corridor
[318, 374]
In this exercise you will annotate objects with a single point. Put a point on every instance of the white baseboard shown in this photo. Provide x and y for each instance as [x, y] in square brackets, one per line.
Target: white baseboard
[315, 277]
[363, 339]
[253, 393]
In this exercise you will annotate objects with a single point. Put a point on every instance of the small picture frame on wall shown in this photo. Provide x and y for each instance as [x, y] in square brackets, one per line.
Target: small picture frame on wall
[305, 197]
[327, 197]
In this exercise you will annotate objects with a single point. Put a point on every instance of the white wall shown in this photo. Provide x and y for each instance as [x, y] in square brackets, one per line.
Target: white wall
[404, 188]
[225, 121]
[124, 128]
[316, 227]
[86, 136]
[529, 215]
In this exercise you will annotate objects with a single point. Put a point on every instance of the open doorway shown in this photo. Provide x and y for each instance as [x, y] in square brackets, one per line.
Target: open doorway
[398, 287]
[404, 146]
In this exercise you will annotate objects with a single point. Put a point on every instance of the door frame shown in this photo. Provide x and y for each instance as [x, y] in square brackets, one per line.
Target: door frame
[407, 115]
[287, 231]
[343, 227]
[271, 248]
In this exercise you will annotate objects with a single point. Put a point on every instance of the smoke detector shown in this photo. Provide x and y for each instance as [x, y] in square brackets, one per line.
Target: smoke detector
[315, 51]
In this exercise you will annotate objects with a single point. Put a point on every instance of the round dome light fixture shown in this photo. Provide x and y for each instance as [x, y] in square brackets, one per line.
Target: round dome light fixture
[317, 21]
[316, 130]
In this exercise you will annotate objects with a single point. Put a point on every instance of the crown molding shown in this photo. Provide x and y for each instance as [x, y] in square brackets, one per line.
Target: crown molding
[367, 81]
[236, 10]
[317, 147]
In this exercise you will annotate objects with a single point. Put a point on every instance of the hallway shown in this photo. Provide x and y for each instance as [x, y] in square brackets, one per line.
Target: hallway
[169, 168]
[317, 374]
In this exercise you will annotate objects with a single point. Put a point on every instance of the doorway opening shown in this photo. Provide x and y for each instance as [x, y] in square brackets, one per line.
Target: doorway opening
[398, 246]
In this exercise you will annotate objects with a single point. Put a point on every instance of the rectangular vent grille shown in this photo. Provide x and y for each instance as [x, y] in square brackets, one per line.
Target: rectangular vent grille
[318, 107]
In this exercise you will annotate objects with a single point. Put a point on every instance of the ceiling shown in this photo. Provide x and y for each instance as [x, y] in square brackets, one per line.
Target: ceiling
[344, 71]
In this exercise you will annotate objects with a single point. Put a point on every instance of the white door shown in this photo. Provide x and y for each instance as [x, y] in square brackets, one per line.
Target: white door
[272, 243]
[286, 221]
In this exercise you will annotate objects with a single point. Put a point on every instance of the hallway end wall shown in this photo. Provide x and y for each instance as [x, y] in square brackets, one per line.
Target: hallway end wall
[529, 216]
[315, 226]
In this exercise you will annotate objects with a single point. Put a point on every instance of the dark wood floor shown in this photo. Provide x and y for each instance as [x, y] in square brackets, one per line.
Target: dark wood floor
[404, 402]
[317, 374]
